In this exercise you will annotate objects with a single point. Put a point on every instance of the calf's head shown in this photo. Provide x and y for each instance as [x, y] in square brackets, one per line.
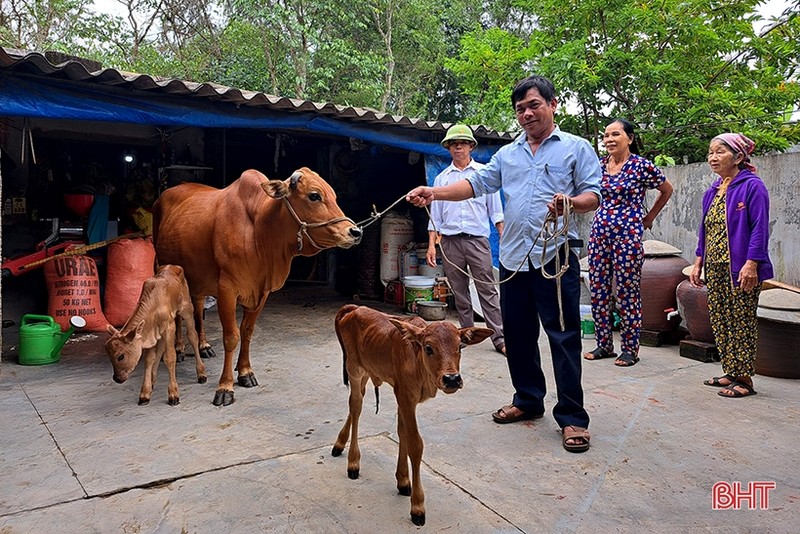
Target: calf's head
[314, 204]
[124, 351]
[437, 347]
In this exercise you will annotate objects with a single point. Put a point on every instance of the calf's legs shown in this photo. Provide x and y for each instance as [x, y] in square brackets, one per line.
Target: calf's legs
[411, 443]
[150, 368]
[194, 341]
[358, 386]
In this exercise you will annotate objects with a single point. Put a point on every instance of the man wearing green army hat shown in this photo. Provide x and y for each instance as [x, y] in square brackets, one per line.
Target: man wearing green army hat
[462, 230]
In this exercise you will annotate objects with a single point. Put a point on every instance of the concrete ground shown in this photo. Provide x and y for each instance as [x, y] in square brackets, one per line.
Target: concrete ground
[78, 455]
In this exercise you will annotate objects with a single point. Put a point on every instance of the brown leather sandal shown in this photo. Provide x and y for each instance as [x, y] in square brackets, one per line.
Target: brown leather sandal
[504, 416]
[575, 433]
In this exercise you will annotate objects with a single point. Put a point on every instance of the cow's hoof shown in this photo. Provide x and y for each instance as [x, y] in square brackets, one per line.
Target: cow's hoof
[174, 402]
[418, 519]
[207, 352]
[202, 379]
[352, 473]
[180, 356]
[143, 401]
[223, 397]
[404, 490]
[337, 451]
[248, 380]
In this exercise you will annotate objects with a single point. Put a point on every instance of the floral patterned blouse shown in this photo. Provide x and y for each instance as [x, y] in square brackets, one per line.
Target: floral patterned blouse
[623, 194]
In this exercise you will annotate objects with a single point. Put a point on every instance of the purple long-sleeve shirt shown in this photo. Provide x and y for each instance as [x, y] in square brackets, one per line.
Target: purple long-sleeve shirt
[747, 214]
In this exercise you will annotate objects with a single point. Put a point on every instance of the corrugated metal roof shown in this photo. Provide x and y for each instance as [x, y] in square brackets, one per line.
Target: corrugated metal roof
[75, 69]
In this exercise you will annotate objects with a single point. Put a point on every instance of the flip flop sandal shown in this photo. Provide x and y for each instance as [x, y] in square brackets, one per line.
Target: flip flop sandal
[626, 359]
[575, 433]
[503, 415]
[715, 382]
[598, 354]
[737, 394]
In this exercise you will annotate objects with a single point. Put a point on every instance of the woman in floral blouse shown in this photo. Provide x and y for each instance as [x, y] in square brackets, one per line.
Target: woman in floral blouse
[615, 247]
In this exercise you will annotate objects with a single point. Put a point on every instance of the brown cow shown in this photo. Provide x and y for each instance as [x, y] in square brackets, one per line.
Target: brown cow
[413, 357]
[237, 244]
[151, 328]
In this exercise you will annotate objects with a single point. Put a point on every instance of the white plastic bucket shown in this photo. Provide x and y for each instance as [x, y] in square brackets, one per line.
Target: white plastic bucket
[417, 288]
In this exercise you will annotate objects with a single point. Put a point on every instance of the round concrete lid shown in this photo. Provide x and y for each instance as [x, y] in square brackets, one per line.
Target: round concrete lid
[779, 299]
[653, 247]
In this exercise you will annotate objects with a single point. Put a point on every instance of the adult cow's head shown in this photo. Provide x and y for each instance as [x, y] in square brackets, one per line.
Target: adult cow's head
[124, 351]
[438, 350]
[312, 203]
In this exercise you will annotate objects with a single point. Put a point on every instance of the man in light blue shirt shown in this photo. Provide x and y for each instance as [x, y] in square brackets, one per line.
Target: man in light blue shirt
[540, 172]
[462, 230]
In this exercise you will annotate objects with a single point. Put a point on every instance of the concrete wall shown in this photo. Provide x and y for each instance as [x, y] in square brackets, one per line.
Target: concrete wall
[678, 222]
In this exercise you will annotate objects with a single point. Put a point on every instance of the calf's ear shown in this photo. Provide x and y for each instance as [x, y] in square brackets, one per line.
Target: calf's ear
[473, 335]
[275, 188]
[111, 330]
[409, 331]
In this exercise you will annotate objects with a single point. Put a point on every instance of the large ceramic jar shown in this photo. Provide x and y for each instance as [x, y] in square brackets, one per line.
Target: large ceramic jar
[693, 308]
[778, 352]
[661, 273]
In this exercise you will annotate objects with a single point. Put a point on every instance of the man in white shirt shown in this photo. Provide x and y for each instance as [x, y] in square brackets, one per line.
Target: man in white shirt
[462, 229]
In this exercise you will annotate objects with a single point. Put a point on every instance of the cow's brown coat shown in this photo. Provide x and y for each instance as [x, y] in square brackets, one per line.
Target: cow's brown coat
[417, 360]
[152, 329]
[237, 244]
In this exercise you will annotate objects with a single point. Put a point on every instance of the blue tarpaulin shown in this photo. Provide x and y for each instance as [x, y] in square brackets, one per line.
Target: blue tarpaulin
[54, 99]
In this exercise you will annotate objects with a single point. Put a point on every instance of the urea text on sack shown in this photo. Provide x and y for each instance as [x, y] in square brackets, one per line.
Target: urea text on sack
[77, 266]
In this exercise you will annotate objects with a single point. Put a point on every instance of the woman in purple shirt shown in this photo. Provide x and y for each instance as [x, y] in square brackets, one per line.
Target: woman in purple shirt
[733, 250]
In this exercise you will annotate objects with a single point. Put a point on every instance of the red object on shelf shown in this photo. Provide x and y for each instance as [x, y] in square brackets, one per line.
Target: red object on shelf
[79, 203]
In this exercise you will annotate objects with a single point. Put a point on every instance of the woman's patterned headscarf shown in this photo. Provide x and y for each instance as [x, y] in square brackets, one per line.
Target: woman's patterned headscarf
[740, 144]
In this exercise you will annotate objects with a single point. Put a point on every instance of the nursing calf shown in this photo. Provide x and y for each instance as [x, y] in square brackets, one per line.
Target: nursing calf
[415, 358]
[151, 330]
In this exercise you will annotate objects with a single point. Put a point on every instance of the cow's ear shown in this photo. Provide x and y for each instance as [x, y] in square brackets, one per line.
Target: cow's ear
[275, 188]
[111, 330]
[409, 331]
[136, 332]
[474, 335]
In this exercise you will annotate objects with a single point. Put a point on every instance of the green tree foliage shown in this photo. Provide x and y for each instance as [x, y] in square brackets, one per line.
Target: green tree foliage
[67, 26]
[683, 70]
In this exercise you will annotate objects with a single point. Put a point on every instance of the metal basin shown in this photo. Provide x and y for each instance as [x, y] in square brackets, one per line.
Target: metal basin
[431, 310]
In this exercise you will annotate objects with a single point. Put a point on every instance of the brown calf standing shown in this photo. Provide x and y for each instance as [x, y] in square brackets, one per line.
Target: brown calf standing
[415, 358]
[152, 329]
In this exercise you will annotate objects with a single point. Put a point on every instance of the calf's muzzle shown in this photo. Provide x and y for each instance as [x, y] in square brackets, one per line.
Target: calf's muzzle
[452, 381]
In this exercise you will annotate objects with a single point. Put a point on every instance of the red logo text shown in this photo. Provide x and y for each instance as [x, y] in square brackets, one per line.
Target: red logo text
[732, 495]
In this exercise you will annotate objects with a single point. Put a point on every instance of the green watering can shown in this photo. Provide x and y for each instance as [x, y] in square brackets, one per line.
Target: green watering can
[41, 338]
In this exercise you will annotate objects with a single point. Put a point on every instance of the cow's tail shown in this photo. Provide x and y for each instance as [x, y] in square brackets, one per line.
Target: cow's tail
[343, 311]
[156, 223]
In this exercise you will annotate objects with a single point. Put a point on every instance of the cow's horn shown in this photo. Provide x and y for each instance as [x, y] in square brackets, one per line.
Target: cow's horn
[294, 178]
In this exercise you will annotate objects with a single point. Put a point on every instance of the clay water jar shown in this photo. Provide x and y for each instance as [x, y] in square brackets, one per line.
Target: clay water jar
[693, 308]
[778, 353]
[661, 273]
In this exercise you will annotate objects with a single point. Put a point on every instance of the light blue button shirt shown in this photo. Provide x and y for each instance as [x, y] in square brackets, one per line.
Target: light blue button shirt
[471, 216]
[563, 163]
